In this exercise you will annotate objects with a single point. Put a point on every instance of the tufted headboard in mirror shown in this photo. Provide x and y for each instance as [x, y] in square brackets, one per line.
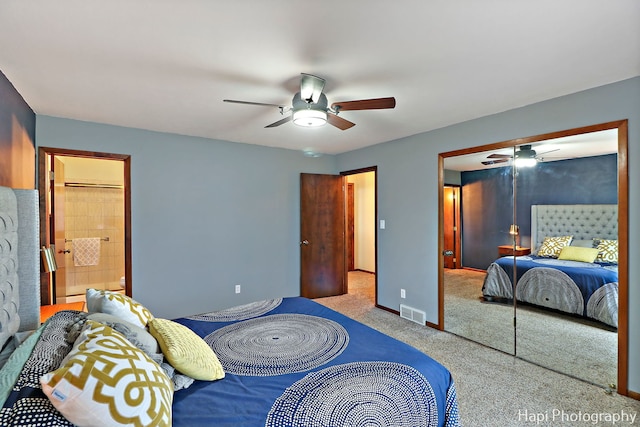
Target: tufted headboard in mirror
[19, 262]
[584, 222]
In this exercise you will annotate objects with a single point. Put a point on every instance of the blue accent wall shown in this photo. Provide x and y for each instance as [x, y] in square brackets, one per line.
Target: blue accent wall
[487, 200]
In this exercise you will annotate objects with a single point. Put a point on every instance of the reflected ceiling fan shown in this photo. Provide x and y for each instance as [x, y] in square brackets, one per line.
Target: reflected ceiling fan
[310, 107]
[525, 156]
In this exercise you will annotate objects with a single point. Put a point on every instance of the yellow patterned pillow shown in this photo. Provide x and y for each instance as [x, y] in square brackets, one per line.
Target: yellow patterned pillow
[185, 350]
[119, 305]
[107, 381]
[577, 253]
[607, 250]
[551, 246]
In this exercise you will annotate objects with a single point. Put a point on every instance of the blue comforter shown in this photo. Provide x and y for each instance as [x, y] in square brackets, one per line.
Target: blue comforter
[297, 362]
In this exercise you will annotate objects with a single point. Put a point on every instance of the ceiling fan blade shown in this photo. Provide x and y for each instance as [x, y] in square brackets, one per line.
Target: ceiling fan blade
[252, 103]
[499, 156]
[339, 122]
[493, 162]
[550, 151]
[365, 104]
[311, 87]
[279, 122]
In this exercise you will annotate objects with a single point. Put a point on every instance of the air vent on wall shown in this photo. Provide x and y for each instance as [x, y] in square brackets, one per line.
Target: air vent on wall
[413, 314]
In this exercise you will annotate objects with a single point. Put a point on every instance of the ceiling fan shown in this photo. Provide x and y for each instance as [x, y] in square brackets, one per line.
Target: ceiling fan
[310, 107]
[524, 155]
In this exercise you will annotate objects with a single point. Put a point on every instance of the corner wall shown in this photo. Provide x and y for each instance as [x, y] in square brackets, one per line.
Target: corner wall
[17, 139]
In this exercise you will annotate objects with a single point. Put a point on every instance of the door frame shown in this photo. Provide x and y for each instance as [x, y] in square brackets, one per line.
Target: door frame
[373, 169]
[43, 154]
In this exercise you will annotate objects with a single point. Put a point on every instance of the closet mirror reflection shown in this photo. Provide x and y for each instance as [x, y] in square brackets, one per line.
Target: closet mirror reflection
[570, 188]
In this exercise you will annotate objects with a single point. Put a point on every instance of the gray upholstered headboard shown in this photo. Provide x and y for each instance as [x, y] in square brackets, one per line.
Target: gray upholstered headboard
[584, 222]
[19, 262]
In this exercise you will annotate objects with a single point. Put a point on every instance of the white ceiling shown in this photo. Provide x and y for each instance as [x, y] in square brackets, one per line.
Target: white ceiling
[167, 65]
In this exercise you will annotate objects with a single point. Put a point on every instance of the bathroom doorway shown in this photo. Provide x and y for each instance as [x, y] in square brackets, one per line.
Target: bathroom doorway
[85, 212]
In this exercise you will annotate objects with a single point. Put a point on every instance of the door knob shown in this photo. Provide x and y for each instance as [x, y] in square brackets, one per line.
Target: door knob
[304, 242]
[66, 251]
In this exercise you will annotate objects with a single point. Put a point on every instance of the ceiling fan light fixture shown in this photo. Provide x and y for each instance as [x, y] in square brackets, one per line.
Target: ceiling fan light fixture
[309, 117]
[525, 157]
[526, 162]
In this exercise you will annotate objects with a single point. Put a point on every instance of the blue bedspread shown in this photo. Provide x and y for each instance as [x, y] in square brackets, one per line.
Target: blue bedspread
[302, 363]
[288, 362]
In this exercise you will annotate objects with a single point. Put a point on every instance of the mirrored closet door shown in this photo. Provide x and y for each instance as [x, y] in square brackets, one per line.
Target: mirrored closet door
[570, 190]
[486, 202]
[567, 301]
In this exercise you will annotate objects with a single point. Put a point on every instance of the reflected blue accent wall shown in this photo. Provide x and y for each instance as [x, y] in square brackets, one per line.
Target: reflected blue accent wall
[487, 200]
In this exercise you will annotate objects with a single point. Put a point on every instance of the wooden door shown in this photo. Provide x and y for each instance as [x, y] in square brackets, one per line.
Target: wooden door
[451, 226]
[58, 229]
[322, 236]
[351, 228]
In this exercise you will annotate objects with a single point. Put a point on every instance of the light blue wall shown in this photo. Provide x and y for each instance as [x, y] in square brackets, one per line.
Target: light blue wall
[408, 191]
[206, 214]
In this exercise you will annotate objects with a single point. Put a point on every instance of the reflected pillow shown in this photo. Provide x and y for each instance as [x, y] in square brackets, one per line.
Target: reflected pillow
[582, 243]
[607, 250]
[577, 253]
[119, 305]
[551, 246]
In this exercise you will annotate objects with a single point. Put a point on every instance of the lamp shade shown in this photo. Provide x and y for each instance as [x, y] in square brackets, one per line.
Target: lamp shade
[514, 230]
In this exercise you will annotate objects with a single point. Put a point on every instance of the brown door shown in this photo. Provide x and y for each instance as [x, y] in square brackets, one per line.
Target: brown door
[350, 229]
[322, 236]
[451, 203]
[58, 231]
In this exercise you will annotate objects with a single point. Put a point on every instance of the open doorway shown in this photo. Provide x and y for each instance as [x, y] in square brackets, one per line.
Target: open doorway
[361, 236]
[85, 211]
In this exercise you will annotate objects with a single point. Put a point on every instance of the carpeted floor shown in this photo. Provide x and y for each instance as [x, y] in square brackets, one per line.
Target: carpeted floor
[494, 388]
[578, 347]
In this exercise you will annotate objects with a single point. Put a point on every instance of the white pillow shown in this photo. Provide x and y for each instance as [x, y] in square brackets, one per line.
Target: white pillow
[107, 381]
[119, 305]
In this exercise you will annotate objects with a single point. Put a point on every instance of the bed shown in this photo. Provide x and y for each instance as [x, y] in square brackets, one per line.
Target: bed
[279, 362]
[573, 267]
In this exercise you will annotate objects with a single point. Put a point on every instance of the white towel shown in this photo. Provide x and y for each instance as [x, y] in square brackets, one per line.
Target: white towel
[86, 251]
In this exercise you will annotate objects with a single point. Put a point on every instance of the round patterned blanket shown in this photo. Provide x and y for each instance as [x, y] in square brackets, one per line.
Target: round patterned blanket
[241, 312]
[277, 344]
[358, 394]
